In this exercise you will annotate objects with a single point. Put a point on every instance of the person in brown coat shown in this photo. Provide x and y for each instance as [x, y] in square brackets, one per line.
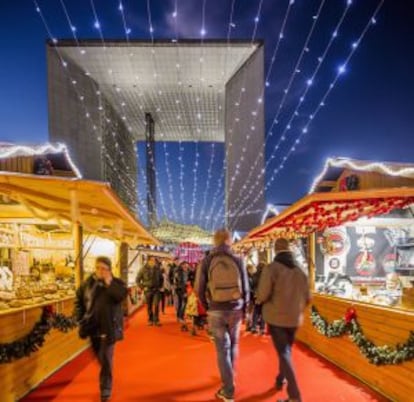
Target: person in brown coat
[284, 292]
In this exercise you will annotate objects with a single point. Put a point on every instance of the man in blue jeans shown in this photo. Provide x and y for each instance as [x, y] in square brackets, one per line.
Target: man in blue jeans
[223, 289]
[284, 292]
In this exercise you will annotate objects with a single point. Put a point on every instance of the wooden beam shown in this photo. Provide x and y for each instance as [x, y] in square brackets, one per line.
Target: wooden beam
[327, 183]
[78, 240]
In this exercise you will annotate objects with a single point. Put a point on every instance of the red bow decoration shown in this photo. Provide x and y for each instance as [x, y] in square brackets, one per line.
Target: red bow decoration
[350, 315]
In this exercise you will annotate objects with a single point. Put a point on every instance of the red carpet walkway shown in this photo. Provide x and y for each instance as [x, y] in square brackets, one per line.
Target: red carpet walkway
[167, 365]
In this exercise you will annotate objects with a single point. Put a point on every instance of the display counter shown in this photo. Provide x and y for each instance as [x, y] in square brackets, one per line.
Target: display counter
[18, 377]
[381, 325]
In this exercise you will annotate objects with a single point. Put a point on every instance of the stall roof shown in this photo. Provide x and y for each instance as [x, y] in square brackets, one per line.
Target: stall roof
[58, 152]
[61, 200]
[335, 166]
[321, 210]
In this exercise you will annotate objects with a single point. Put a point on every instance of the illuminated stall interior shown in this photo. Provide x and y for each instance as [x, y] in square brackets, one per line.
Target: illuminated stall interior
[51, 230]
[356, 231]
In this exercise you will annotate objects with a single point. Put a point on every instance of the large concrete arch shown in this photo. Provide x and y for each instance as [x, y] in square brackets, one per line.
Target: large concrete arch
[87, 81]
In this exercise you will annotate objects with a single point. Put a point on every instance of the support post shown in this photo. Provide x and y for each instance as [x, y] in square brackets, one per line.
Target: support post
[151, 177]
[311, 260]
[78, 240]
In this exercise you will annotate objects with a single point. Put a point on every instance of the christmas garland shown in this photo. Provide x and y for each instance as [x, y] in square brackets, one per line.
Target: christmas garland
[35, 339]
[378, 355]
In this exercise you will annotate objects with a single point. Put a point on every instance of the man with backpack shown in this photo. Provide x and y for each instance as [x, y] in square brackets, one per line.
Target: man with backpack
[223, 289]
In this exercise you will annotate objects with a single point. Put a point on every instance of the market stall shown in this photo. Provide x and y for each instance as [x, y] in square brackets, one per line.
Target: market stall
[358, 243]
[51, 229]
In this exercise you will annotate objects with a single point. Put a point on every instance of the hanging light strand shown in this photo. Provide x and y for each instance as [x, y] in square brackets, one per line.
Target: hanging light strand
[207, 187]
[293, 75]
[321, 104]
[251, 188]
[81, 97]
[219, 194]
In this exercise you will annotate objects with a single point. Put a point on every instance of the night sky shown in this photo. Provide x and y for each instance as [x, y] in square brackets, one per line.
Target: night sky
[368, 115]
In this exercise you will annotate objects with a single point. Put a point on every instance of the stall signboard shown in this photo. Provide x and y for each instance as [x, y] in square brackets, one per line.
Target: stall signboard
[46, 241]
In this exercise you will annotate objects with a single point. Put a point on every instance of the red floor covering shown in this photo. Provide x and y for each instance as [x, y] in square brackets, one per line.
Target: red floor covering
[164, 364]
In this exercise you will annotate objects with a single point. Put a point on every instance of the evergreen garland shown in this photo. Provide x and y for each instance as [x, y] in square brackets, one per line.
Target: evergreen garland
[378, 355]
[35, 339]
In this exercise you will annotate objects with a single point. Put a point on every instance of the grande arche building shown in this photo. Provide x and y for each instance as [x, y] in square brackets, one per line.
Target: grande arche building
[104, 97]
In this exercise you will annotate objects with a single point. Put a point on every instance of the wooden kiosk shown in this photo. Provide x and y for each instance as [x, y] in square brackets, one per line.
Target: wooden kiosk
[357, 233]
[51, 229]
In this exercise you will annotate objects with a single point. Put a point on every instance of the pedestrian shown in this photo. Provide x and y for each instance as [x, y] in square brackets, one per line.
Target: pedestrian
[150, 281]
[251, 271]
[180, 289]
[257, 319]
[99, 312]
[284, 292]
[223, 289]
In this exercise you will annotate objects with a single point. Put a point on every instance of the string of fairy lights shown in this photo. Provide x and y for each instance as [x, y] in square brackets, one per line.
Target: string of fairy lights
[283, 137]
[255, 112]
[81, 97]
[219, 194]
[280, 37]
[296, 71]
[209, 217]
[156, 80]
[122, 102]
[275, 121]
[199, 113]
[209, 177]
[340, 71]
[179, 101]
[249, 193]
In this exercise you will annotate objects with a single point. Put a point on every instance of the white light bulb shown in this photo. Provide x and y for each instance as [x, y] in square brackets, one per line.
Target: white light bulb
[309, 82]
[97, 25]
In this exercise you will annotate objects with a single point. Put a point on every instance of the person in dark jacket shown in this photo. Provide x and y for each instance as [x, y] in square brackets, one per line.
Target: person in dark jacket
[150, 280]
[180, 286]
[284, 292]
[257, 309]
[225, 313]
[99, 312]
